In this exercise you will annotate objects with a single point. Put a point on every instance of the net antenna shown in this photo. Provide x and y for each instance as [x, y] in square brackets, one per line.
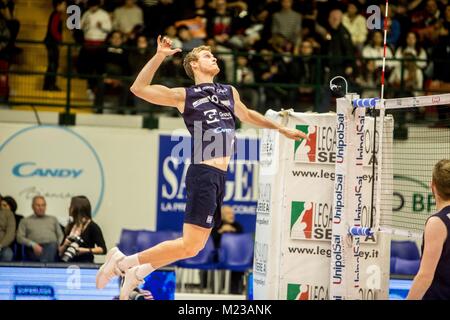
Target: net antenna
[377, 159]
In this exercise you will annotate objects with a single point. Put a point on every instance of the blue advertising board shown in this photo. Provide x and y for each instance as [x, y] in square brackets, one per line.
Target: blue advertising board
[241, 186]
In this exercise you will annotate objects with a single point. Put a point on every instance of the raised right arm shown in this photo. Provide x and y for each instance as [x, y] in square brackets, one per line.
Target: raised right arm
[154, 93]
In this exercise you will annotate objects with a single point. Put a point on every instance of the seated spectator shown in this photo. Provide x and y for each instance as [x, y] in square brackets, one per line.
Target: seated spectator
[82, 230]
[127, 17]
[229, 225]
[8, 203]
[7, 234]
[40, 233]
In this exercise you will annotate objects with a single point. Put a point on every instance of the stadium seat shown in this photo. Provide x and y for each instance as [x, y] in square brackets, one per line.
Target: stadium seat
[205, 260]
[235, 254]
[127, 243]
[236, 251]
[406, 267]
[147, 239]
[405, 250]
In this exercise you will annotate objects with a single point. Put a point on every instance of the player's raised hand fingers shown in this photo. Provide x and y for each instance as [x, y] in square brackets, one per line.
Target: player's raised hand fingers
[159, 40]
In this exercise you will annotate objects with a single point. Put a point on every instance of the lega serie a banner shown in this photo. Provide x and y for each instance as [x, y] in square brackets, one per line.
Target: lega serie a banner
[241, 185]
[296, 211]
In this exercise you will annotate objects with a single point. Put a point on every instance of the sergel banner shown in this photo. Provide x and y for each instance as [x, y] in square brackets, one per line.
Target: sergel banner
[241, 186]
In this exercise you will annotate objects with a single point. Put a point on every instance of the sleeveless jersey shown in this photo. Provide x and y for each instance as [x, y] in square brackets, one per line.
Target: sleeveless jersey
[209, 117]
[440, 287]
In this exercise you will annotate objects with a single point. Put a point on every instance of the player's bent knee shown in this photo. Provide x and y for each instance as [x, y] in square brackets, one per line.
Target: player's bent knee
[191, 250]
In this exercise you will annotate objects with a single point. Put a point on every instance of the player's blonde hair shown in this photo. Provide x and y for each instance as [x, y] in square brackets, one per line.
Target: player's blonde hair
[193, 56]
[441, 178]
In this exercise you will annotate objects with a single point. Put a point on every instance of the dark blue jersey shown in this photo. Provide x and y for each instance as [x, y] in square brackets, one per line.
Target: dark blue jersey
[209, 117]
[440, 287]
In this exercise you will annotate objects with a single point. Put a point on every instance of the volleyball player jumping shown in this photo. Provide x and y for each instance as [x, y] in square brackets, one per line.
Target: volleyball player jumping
[209, 110]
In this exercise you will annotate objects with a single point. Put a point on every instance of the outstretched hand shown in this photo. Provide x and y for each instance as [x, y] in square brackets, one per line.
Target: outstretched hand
[293, 134]
[165, 47]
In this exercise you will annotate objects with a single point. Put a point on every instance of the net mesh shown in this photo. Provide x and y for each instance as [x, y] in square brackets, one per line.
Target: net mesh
[421, 137]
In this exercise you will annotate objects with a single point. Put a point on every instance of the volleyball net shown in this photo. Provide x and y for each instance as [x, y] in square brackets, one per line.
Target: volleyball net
[402, 200]
[421, 137]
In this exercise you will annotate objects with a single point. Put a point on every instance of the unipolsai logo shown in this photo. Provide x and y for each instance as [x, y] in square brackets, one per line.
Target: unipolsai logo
[305, 149]
[306, 292]
[310, 220]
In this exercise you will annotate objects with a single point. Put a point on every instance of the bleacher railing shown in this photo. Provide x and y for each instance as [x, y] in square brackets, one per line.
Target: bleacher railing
[25, 83]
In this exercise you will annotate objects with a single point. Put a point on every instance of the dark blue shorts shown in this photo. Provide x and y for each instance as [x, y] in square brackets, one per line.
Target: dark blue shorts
[205, 188]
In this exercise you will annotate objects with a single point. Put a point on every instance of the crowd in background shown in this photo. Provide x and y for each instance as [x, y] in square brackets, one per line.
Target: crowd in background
[278, 42]
[40, 237]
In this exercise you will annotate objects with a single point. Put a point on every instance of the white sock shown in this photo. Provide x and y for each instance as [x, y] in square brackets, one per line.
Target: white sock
[128, 262]
[144, 270]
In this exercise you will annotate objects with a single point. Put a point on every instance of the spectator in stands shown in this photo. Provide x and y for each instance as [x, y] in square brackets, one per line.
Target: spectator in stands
[8, 203]
[220, 23]
[245, 76]
[425, 22]
[114, 65]
[432, 281]
[287, 22]
[413, 46]
[229, 225]
[393, 27]
[137, 59]
[195, 8]
[355, 24]
[158, 17]
[307, 71]
[96, 25]
[368, 80]
[337, 46]
[440, 59]
[7, 234]
[13, 25]
[374, 50]
[187, 41]
[269, 69]
[128, 16]
[410, 81]
[81, 225]
[40, 233]
[5, 38]
[172, 33]
[52, 40]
